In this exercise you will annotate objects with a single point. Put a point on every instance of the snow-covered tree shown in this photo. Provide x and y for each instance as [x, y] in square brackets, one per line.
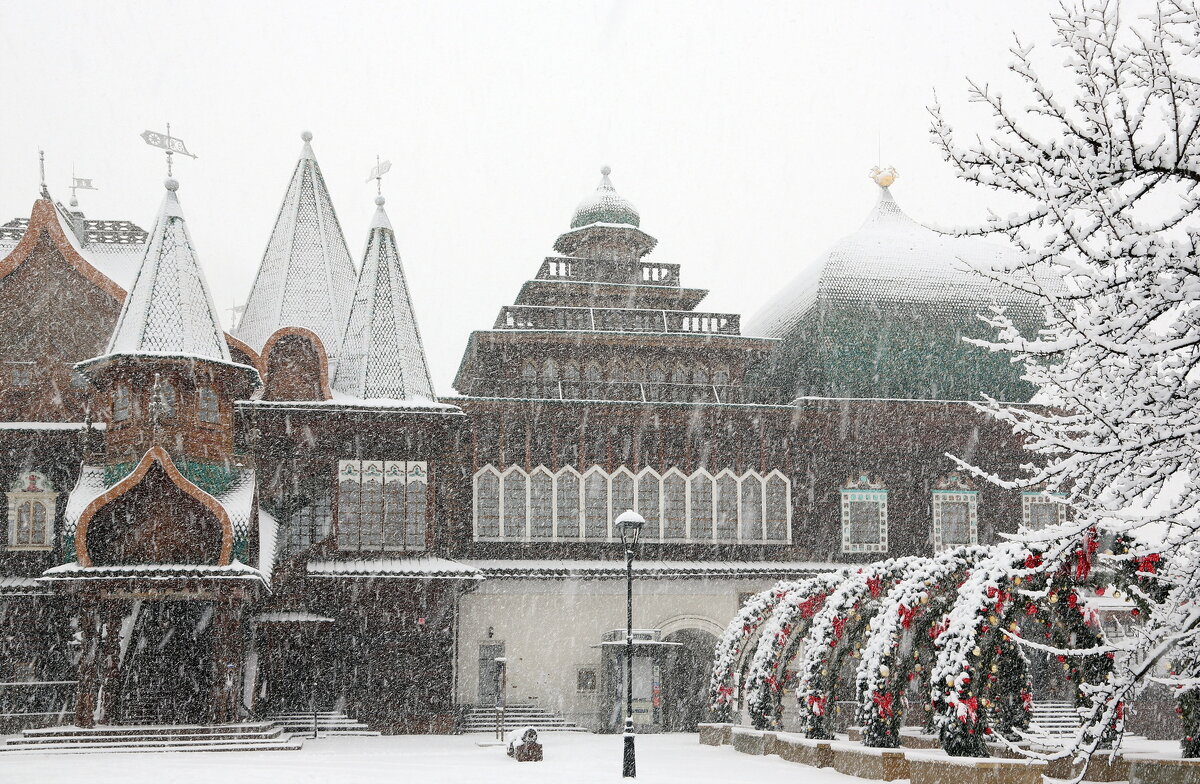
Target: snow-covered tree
[1107, 162]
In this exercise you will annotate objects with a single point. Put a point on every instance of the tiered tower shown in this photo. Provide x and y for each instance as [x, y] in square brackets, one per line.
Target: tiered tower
[599, 322]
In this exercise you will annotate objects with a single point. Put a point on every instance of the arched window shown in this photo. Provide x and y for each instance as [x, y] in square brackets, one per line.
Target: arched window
[657, 374]
[567, 510]
[595, 505]
[776, 512]
[616, 373]
[674, 505]
[592, 372]
[487, 503]
[122, 403]
[752, 509]
[570, 371]
[679, 375]
[209, 409]
[637, 371]
[700, 374]
[701, 492]
[649, 505]
[31, 502]
[720, 375]
[529, 372]
[516, 504]
[622, 493]
[550, 370]
[725, 503]
[541, 504]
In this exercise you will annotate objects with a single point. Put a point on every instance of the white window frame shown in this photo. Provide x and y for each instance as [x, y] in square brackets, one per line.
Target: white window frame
[971, 499]
[656, 535]
[877, 495]
[34, 489]
[410, 471]
[1039, 497]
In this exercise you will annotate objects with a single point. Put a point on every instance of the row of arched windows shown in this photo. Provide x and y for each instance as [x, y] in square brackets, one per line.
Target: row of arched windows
[540, 505]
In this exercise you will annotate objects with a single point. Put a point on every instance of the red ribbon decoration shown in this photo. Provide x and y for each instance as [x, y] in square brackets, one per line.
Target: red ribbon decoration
[874, 585]
[816, 705]
[906, 615]
[972, 709]
[884, 701]
[811, 606]
[936, 630]
[1146, 564]
[1033, 560]
[839, 625]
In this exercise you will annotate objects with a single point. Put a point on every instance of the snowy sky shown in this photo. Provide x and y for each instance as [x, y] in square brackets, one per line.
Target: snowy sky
[742, 132]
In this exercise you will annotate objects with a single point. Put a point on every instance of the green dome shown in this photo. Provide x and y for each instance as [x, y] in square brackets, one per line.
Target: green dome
[605, 205]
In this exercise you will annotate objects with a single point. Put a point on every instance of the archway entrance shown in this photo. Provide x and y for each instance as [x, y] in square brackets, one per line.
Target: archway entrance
[686, 673]
[166, 677]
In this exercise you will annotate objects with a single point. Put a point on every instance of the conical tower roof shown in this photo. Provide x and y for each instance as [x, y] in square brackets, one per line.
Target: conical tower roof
[306, 278]
[169, 309]
[382, 355]
[605, 205]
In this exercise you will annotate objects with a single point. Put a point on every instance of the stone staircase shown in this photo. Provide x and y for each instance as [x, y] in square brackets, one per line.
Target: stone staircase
[328, 723]
[1054, 719]
[482, 718]
[118, 738]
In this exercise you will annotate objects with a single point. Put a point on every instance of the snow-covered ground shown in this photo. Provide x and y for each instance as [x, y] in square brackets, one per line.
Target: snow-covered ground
[571, 758]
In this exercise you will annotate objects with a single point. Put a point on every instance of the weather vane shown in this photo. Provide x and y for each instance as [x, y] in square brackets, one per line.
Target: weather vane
[172, 144]
[380, 169]
[79, 184]
[42, 172]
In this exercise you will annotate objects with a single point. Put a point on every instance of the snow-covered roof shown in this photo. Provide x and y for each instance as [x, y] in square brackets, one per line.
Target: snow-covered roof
[343, 402]
[605, 205]
[425, 567]
[231, 571]
[381, 353]
[894, 260]
[51, 425]
[268, 539]
[306, 277]
[591, 569]
[20, 586]
[169, 308]
[291, 616]
[113, 247]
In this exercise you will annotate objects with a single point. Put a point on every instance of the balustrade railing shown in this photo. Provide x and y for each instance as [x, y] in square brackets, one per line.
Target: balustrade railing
[543, 317]
[605, 271]
[635, 391]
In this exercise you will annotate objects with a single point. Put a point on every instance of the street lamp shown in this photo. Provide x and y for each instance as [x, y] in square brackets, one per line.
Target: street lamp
[629, 526]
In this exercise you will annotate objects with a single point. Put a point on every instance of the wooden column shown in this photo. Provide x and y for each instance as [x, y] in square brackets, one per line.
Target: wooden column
[111, 614]
[89, 678]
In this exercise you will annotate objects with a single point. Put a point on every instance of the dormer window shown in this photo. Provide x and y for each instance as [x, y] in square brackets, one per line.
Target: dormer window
[210, 406]
[122, 403]
[31, 513]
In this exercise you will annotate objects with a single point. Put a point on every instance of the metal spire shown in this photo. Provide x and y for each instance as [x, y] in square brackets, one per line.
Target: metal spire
[42, 171]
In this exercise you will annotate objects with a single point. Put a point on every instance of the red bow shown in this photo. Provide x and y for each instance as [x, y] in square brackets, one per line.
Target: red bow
[1120, 710]
[811, 606]
[884, 701]
[971, 709]
[906, 615]
[839, 625]
[1033, 560]
[1026, 700]
[1146, 564]
[816, 705]
[725, 691]
[874, 585]
[936, 630]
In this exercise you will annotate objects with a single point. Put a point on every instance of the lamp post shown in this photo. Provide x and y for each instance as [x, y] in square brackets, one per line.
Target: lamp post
[629, 526]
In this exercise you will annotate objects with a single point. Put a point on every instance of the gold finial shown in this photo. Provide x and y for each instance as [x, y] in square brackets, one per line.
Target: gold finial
[885, 176]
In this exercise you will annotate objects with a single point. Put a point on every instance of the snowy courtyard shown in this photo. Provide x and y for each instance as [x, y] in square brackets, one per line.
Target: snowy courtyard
[571, 758]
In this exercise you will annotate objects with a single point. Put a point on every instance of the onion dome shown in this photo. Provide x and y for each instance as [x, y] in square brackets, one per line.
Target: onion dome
[306, 278]
[169, 309]
[885, 311]
[382, 356]
[605, 205]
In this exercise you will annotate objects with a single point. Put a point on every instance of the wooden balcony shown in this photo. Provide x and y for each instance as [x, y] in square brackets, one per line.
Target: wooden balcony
[604, 271]
[547, 318]
[630, 391]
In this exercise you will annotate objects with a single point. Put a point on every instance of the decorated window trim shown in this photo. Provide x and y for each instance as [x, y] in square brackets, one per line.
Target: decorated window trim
[656, 531]
[952, 489]
[1030, 498]
[31, 506]
[393, 535]
[862, 489]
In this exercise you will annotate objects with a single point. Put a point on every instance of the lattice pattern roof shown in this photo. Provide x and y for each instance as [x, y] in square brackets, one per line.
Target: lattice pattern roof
[114, 247]
[306, 278]
[169, 308]
[382, 355]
